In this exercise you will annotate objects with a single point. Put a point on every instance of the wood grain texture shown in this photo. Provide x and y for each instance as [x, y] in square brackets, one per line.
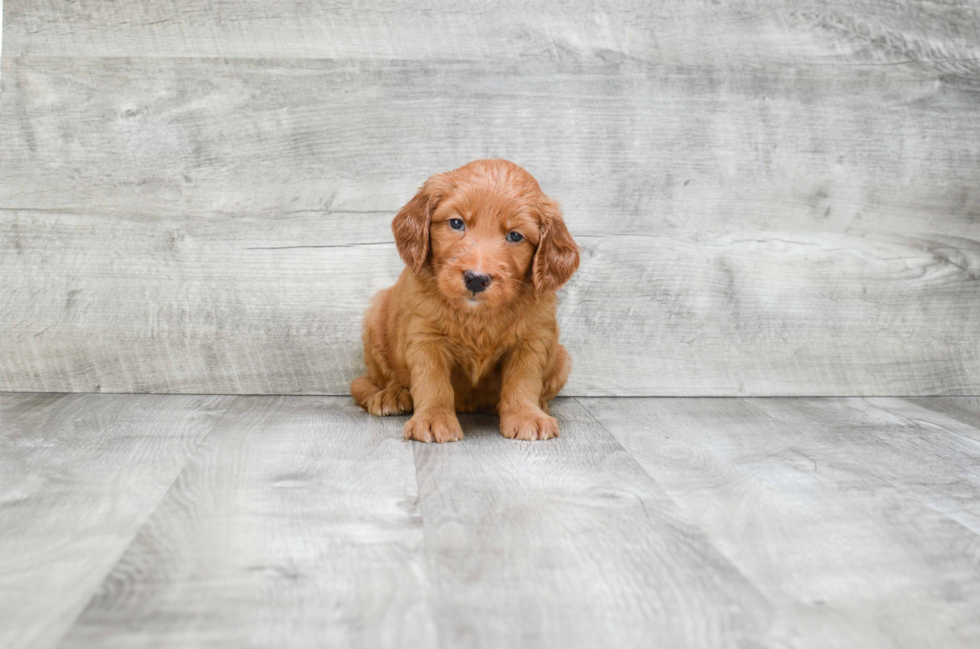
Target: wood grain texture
[775, 198]
[733, 282]
[296, 524]
[933, 457]
[568, 543]
[769, 32]
[857, 523]
[79, 474]
[304, 522]
[963, 409]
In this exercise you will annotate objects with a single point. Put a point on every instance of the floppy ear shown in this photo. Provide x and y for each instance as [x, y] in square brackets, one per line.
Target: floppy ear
[411, 224]
[556, 258]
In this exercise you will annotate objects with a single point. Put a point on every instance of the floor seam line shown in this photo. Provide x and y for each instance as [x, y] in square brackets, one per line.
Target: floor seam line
[958, 436]
[430, 575]
[151, 511]
[708, 538]
[902, 487]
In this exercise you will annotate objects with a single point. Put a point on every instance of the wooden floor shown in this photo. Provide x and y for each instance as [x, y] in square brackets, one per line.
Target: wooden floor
[183, 521]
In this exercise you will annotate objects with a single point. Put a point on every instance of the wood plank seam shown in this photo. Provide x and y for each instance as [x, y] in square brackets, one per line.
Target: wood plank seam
[643, 469]
[902, 487]
[964, 439]
[146, 517]
[430, 571]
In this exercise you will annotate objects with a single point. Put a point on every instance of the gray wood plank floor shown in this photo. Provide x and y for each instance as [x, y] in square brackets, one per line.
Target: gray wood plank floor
[79, 474]
[195, 521]
[846, 516]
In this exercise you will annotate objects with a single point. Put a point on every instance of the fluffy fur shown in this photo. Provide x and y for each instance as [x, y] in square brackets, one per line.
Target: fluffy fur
[432, 345]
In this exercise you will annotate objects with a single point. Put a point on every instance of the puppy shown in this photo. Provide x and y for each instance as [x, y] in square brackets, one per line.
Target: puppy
[470, 324]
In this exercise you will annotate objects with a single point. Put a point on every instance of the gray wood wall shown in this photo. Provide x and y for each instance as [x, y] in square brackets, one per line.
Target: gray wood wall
[773, 197]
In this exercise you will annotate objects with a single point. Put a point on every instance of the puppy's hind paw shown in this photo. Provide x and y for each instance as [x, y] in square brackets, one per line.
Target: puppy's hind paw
[362, 388]
[393, 400]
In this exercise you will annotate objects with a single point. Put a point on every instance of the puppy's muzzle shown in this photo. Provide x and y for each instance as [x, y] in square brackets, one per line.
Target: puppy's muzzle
[476, 282]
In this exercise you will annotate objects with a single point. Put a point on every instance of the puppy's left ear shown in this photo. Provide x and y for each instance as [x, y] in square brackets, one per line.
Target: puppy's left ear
[411, 225]
[556, 258]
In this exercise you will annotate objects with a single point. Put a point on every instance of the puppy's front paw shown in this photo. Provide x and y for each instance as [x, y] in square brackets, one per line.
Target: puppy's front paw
[434, 426]
[528, 425]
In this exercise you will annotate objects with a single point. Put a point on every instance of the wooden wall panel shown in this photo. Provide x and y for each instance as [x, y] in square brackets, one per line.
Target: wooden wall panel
[680, 31]
[771, 204]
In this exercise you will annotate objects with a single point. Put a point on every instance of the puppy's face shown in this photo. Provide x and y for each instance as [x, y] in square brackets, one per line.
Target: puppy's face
[488, 233]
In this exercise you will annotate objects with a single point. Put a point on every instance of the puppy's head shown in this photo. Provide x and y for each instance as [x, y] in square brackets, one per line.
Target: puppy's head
[488, 234]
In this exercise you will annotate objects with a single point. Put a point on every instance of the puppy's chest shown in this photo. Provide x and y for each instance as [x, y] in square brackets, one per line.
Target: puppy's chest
[477, 352]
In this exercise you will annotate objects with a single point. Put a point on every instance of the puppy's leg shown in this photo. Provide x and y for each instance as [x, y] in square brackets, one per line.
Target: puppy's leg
[521, 415]
[366, 387]
[555, 376]
[432, 391]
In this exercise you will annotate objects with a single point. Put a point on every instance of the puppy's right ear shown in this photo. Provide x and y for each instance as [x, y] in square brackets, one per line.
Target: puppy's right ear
[411, 224]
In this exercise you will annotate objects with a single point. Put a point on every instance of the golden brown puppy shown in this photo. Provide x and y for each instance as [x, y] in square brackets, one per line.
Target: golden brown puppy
[470, 324]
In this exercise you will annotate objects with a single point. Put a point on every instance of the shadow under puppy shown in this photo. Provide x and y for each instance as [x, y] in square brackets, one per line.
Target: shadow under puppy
[470, 324]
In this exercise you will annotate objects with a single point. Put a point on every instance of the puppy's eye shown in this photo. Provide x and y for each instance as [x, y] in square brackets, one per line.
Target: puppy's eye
[515, 237]
[456, 224]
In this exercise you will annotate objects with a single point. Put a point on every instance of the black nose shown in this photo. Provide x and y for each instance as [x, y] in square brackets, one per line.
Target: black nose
[475, 282]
